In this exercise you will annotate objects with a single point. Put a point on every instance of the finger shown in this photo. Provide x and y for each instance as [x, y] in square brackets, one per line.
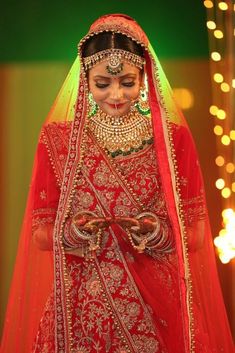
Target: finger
[135, 228]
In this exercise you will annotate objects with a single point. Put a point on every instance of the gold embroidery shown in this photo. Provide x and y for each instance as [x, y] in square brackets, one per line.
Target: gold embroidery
[194, 209]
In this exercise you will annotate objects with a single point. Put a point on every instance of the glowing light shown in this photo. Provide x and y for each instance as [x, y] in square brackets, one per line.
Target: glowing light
[218, 78]
[184, 97]
[221, 114]
[223, 6]
[213, 109]
[226, 214]
[211, 24]
[225, 139]
[220, 183]
[218, 130]
[233, 83]
[218, 34]
[208, 4]
[232, 135]
[225, 87]
[225, 242]
[230, 167]
[219, 161]
[215, 56]
[226, 193]
[233, 187]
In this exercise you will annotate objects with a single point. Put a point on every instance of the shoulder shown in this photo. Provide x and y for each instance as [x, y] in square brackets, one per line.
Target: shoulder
[54, 140]
[57, 130]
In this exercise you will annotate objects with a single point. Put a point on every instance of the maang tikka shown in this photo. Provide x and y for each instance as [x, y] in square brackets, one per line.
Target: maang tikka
[115, 64]
[115, 59]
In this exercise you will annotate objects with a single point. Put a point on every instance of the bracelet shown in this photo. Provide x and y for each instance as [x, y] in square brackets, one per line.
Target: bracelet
[160, 239]
[75, 238]
[78, 234]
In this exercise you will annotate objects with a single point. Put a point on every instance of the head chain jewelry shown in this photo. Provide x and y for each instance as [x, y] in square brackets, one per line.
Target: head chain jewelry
[115, 59]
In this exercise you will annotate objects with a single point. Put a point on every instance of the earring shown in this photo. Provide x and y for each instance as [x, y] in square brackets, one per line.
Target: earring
[93, 107]
[142, 104]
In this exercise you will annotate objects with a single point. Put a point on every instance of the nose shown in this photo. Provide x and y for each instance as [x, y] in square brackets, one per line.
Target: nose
[116, 93]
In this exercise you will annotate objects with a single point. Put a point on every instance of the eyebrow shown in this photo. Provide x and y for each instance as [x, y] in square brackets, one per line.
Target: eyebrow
[121, 77]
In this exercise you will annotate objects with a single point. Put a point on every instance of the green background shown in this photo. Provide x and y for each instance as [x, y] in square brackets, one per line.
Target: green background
[50, 30]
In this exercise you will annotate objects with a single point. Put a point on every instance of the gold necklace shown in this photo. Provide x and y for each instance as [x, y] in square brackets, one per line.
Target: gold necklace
[121, 134]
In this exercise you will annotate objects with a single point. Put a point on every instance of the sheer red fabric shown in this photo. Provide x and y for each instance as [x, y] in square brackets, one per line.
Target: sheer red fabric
[118, 301]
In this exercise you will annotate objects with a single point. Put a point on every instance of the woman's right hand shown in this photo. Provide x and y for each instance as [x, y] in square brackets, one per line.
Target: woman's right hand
[90, 224]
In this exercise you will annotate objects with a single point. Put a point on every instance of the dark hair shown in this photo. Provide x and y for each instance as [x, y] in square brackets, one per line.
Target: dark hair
[105, 40]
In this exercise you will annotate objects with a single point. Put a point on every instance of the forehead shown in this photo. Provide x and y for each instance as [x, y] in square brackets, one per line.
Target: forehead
[100, 69]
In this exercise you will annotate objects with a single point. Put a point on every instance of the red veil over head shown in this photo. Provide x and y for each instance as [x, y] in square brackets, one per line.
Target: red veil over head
[37, 271]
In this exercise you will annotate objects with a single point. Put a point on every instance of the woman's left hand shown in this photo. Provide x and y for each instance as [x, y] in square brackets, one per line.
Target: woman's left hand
[140, 226]
[146, 225]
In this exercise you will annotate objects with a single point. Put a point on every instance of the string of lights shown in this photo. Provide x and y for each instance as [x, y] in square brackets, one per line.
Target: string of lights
[221, 32]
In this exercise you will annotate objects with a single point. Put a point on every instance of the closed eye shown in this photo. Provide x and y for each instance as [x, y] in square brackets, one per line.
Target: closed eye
[102, 85]
[128, 84]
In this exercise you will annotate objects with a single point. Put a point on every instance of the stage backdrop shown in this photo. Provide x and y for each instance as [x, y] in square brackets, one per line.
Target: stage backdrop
[38, 45]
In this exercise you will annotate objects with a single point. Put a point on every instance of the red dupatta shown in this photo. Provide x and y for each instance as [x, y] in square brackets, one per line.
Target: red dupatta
[201, 301]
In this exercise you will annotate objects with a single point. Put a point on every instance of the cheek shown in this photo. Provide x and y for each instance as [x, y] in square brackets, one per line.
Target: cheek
[134, 93]
[97, 93]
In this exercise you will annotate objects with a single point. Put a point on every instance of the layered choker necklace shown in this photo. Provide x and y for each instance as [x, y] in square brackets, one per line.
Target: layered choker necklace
[121, 135]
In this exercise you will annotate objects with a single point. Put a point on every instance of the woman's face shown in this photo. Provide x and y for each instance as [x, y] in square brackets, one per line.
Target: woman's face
[114, 94]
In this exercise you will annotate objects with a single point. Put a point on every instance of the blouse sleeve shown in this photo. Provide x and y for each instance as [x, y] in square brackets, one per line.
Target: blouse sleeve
[46, 190]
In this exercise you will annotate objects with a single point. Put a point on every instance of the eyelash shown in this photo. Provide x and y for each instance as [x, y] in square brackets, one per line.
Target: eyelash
[105, 85]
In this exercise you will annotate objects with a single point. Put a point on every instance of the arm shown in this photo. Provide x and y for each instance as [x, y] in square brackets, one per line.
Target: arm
[45, 199]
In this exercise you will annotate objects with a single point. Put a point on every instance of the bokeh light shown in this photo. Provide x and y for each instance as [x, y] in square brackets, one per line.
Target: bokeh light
[220, 183]
[226, 193]
[225, 87]
[208, 4]
[225, 139]
[213, 109]
[230, 167]
[211, 24]
[218, 77]
[218, 130]
[219, 161]
[223, 6]
[232, 135]
[221, 114]
[184, 97]
[218, 34]
[215, 56]
[225, 242]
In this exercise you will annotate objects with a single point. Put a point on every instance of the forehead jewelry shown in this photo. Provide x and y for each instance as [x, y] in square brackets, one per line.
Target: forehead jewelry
[115, 59]
[115, 64]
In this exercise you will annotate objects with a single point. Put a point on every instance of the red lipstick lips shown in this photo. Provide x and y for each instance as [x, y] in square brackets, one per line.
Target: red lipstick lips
[116, 106]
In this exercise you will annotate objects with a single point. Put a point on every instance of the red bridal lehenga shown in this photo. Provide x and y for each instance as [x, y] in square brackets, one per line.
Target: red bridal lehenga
[116, 300]
[113, 297]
